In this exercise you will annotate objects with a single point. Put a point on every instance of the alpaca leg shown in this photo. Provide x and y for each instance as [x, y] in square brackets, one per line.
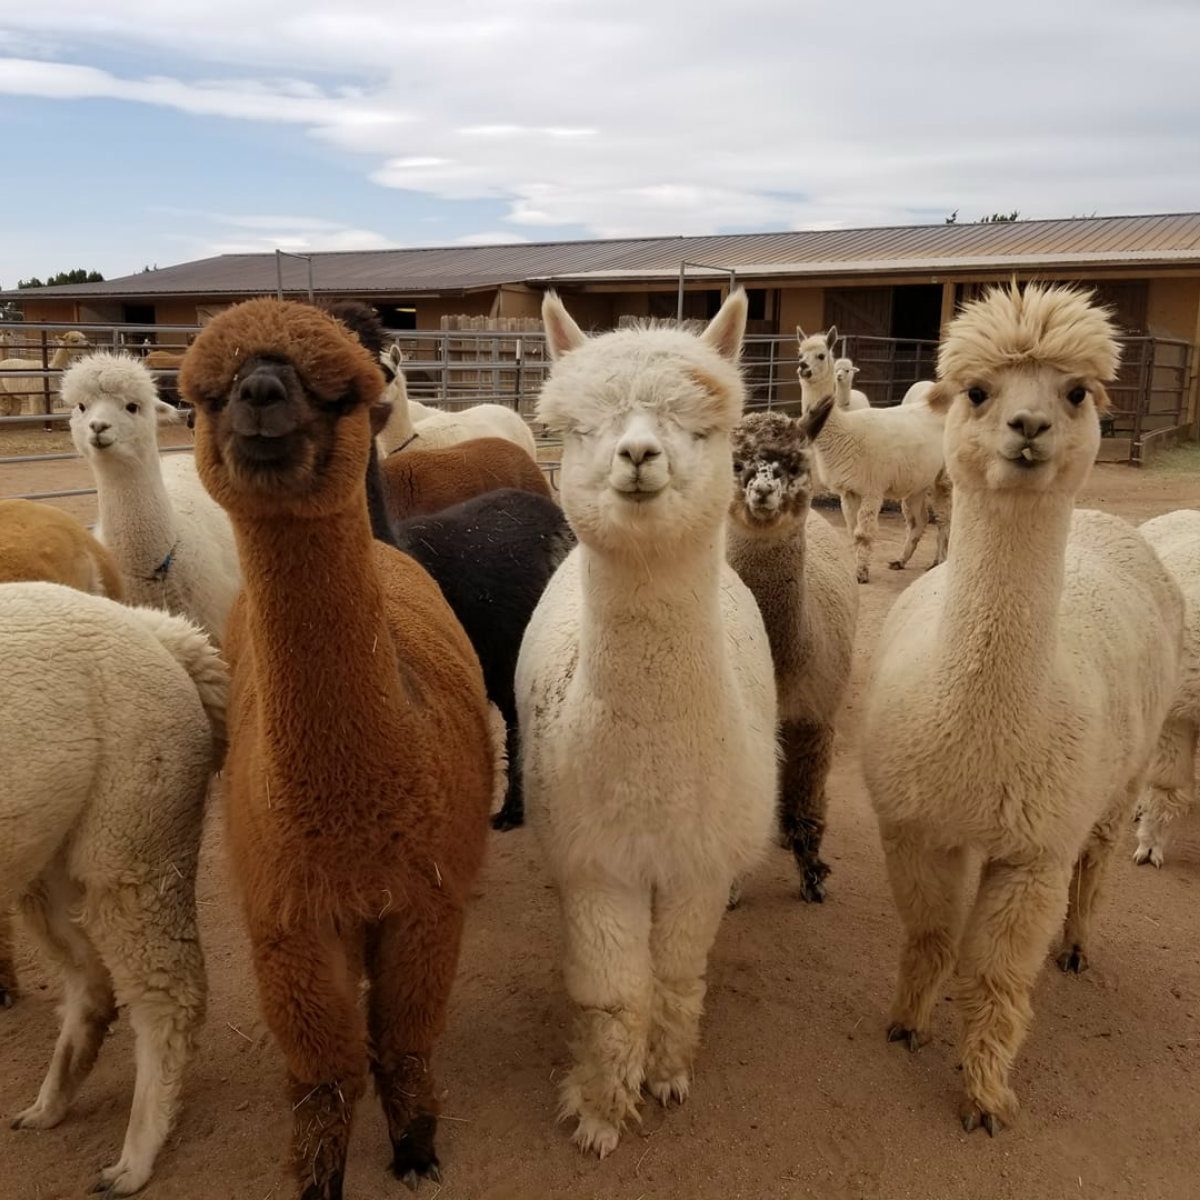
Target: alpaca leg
[807, 754]
[309, 1000]
[929, 886]
[512, 814]
[1086, 882]
[157, 968]
[865, 527]
[684, 927]
[411, 963]
[851, 502]
[608, 976]
[88, 1004]
[8, 971]
[1172, 787]
[916, 517]
[1016, 913]
[941, 503]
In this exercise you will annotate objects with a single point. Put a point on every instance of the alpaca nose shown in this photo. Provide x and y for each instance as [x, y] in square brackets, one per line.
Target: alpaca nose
[639, 449]
[98, 426]
[262, 388]
[1029, 424]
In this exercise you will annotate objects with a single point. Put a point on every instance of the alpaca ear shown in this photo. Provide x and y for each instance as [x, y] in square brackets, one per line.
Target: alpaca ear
[939, 396]
[831, 337]
[562, 334]
[814, 420]
[726, 330]
[165, 413]
[800, 334]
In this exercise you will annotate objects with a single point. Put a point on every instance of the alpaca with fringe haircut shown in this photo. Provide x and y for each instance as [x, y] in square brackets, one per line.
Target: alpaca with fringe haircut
[1019, 689]
[646, 699]
[363, 755]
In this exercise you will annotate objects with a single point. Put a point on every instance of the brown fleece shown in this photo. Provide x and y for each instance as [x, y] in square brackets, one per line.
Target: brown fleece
[360, 766]
[43, 543]
[420, 481]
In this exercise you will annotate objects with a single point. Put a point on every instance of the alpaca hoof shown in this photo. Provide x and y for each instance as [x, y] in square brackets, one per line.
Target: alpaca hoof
[973, 1117]
[675, 1089]
[895, 565]
[38, 1117]
[1148, 854]
[1073, 960]
[596, 1136]
[7, 996]
[413, 1155]
[121, 1180]
[911, 1038]
[812, 882]
[735, 896]
[331, 1189]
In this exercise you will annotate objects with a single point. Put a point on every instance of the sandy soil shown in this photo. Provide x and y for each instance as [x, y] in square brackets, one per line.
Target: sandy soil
[796, 1093]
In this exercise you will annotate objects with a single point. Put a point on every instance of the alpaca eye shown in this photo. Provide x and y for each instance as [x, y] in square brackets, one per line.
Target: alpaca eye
[81, 408]
[131, 408]
[821, 357]
[737, 467]
[976, 395]
[1077, 395]
[700, 437]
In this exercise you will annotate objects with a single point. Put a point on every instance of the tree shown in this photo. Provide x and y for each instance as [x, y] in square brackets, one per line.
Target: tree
[1000, 218]
[79, 275]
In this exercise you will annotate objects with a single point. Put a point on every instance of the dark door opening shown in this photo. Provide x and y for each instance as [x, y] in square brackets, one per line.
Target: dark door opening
[917, 312]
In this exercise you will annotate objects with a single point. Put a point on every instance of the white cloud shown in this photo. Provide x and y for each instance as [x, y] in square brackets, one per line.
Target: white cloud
[490, 237]
[682, 117]
[258, 233]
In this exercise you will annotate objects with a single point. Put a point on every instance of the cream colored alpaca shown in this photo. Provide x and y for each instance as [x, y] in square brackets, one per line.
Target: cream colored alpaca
[816, 370]
[435, 427]
[646, 700]
[22, 393]
[1172, 780]
[802, 574]
[1019, 689]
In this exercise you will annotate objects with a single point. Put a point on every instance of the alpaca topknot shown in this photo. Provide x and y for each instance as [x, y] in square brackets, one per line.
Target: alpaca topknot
[1050, 325]
[107, 372]
[329, 358]
[768, 434]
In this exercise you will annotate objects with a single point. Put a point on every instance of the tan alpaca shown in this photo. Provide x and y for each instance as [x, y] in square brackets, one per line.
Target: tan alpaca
[1019, 688]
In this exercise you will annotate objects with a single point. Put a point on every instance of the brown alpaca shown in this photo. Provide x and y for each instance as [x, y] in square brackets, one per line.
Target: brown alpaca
[41, 543]
[361, 760]
[426, 481]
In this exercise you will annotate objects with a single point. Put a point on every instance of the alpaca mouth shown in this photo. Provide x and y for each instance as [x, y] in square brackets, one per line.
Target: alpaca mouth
[640, 493]
[263, 449]
[1027, 459]
[99, 442]
[805, 372]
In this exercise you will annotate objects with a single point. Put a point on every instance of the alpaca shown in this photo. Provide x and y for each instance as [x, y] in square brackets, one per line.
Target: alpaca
[1019, 689]
[816, 370]
[802, 575]
[118, 714]
[1172, 780]
[646, 700]
[21, 393]
[441, 427]
[41, 542]
[919, 392]
[174, 546]
[363, 756]
[844, 372]
[874, 454]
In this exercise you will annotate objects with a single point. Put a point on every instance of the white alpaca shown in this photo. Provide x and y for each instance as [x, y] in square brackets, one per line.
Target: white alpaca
[21, 393]
[434, 427]
[802, 574]
[874, 454]
[1019, 689]
[844, 372]
[646, 701]
[112, 719]
[816, 370]
[1171, 784]
[919, 393]
[172, 541]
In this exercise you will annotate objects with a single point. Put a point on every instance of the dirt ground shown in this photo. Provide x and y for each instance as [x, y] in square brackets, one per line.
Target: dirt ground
[796, 1094]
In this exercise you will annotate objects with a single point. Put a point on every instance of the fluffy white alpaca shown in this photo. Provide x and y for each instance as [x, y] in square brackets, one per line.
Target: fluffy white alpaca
[172, 541]
[919, 392]
[1172, 778]
[802, 574]
[646, 701]
[875, 454]
[437, 427]
[1019, 689]
[112, 719]
[816, 370]
[844, 372]
[21, 393]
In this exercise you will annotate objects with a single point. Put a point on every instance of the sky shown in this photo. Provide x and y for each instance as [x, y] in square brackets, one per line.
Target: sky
[142, 135]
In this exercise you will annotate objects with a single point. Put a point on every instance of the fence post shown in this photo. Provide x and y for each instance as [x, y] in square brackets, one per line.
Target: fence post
[1143, 399]
[47, 403]
[517, 373]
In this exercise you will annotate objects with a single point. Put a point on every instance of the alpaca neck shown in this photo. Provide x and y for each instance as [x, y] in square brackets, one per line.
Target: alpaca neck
[771, 564]
[135, 512]
[999, 626]
[652, 637]
[398, 430]
[322, 649]
[838, 438]
[814, 390]
[381, 522]
[60, 359]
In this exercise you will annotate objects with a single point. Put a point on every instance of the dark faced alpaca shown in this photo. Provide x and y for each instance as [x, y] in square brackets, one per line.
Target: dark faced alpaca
[772, 470]
[362, 321]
